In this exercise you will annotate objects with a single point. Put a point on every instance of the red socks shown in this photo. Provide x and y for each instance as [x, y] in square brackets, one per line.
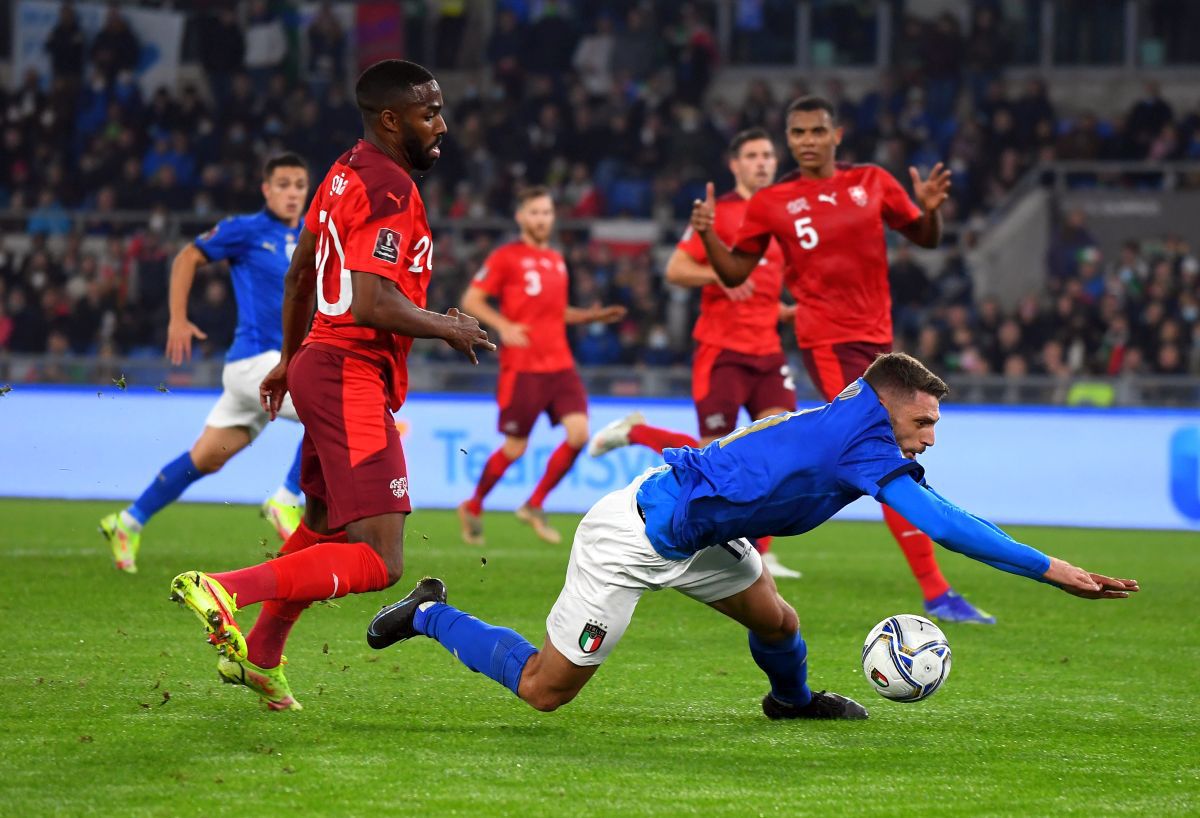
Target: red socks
[556, 469]
[659, 439]
[493, 470]
[326, 570]
[918, 550]
[265, 641]
[763, 544]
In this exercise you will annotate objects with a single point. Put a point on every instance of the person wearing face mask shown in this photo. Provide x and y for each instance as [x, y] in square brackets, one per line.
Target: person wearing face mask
[257, 247]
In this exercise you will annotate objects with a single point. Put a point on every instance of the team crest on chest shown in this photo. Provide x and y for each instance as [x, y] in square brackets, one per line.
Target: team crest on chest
[858, 195]
[798, 206]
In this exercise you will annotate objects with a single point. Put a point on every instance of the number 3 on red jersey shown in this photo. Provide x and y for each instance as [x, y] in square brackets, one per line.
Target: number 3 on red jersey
[329, 242]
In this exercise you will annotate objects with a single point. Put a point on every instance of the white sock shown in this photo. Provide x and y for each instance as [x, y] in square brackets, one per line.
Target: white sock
[130, 521]
[282, 495]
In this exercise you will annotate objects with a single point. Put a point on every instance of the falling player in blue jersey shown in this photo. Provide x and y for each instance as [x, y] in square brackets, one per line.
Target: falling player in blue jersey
[258, 247]
[685, 524]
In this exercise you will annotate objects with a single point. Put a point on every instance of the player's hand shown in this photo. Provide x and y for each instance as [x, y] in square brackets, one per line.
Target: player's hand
[610, 314]
[1081, 583]
[465, 334]
[513, 335]
[787, 312]
[933, 191]
[742, 292]
[179, 340]
[272, 389]
[704, 212]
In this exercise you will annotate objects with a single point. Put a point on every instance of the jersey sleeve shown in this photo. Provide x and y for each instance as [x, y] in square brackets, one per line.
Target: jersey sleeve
[754, 233]
[491, 275]
[380, 245]
[693, 245]
[873, 461]
[898, 210]
[961, 531]
[225, 240]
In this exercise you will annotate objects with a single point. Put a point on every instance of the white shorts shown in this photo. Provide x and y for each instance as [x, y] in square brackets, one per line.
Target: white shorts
[238, 404]
[613, 564]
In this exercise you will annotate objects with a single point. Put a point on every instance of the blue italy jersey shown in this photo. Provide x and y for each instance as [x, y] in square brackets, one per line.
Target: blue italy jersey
[783, 475]
[259, 248]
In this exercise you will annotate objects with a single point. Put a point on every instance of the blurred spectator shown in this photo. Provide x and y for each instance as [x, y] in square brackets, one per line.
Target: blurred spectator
[326, 49]
[593, 58]
[67, 46]
[115, 48]
[266, 43]
[222, 50]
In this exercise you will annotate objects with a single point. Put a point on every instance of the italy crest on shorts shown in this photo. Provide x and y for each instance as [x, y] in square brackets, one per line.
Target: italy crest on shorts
[591, 636]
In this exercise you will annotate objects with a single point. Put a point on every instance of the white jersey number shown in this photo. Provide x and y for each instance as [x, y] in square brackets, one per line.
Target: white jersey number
[807, 233]
[424, 253]
[327, 240]
[533, 282]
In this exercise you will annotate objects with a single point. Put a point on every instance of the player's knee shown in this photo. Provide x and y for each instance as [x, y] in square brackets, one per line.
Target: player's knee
[781, 626]
[208, 463]
[547, 701]
[514, 448]
[577, 438]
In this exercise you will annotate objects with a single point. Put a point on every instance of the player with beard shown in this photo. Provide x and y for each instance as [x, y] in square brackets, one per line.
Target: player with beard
[537, 370]
[364, 256]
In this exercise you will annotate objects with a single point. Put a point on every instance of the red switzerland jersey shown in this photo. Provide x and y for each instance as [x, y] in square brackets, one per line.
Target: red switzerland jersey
[751, 326]
[368, 216]
[831, 231]
[531, 286]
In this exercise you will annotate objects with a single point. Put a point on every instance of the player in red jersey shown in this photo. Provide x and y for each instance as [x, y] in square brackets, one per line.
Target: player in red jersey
[364, 255]
[537, 370]
[738, 361]
[829, 219]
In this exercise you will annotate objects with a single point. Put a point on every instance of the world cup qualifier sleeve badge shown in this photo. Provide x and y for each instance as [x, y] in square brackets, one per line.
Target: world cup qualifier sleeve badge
[591, 637]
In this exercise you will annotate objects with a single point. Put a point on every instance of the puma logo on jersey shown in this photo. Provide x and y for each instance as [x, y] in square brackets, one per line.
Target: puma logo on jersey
[830, 198]
[269, 247]
[400, 202]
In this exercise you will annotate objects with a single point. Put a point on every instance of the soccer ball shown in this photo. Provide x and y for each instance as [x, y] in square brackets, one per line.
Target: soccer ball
[906, 658]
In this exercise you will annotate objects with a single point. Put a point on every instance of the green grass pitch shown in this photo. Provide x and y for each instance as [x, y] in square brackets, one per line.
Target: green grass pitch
[110, 705]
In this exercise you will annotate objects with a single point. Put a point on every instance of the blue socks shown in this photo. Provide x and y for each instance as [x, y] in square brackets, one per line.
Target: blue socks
[786, 665]
[498, 653]
[292, 481]
[165, 488]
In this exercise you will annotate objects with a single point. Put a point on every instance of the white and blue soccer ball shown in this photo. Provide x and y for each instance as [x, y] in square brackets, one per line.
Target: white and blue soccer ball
[906, 658]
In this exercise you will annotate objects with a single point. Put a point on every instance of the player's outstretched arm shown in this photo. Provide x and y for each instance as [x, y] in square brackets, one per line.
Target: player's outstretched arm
[961, 531]
[731, 266]
[181, 331]
[378, 304]
[926, 230]
[597, 313]
[299, 293]
[475, 302]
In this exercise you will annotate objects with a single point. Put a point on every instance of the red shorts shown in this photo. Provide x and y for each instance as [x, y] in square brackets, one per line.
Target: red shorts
[833, 367]
[723, 381]
[525, 395]
[351, 457]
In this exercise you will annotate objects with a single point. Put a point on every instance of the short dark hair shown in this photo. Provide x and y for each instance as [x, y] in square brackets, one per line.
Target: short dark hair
[525, 194]
[287, 159]
[899, 373]
[812, 102]
[748, 135]
[381, 85]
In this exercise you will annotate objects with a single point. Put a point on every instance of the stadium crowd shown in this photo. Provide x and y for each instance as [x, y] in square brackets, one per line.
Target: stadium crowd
[610, 137]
